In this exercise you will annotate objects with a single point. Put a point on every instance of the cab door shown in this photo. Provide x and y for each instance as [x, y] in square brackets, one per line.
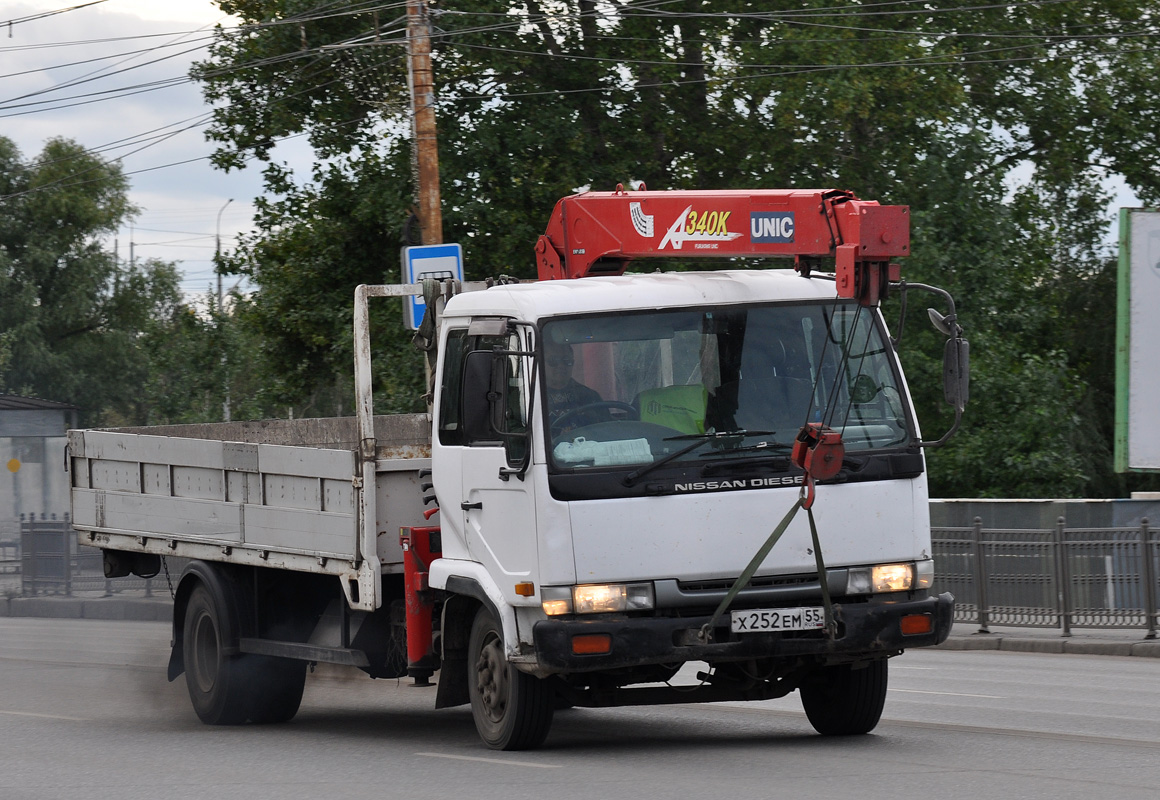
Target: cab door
[497, 509]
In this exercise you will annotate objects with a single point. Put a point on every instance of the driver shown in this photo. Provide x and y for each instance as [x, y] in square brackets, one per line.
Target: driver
[565, 393]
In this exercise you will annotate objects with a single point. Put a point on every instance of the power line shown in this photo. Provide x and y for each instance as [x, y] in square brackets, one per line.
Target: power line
[803, 69]
[90, 60]
[198, 121]
[238, 29]
[8, 104]
[65, 181]
[117, 93]
[45, 14]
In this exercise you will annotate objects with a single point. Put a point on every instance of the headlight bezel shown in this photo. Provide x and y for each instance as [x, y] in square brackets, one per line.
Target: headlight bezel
[598, 598]
[890, 578]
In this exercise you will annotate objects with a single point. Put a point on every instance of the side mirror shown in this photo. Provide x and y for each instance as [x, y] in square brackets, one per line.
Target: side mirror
[490, 403]
[957, 372]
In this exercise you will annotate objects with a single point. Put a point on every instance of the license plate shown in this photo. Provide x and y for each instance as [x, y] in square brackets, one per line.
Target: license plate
[762, 620]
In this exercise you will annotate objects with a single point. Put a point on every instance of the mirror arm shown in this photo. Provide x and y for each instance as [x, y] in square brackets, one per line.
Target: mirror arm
[903, 286]
[956, 335]
[946, 436]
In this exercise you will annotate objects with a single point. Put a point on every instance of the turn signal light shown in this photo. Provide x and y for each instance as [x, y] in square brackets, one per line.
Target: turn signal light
[913, 624]
[589, 644]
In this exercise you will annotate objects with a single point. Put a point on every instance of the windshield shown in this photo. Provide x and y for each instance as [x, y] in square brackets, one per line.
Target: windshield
[634, 389]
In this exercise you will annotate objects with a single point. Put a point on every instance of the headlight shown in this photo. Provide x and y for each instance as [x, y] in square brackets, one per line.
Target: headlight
[882, 578]
[598, 598]
[892, 577]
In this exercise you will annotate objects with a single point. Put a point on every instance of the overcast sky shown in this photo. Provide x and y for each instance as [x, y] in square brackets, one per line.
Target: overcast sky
[179, 204]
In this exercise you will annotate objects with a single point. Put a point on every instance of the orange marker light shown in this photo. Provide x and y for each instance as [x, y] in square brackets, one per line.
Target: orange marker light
[591, 644]
[913, 624]
[527, 589]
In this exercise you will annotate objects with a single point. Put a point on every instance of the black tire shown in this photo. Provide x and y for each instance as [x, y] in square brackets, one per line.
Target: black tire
[512, 710]
[840, 701]
[278, 688]
[216, 681]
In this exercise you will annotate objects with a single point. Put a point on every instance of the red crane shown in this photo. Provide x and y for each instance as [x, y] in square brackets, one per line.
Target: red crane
[599, 233]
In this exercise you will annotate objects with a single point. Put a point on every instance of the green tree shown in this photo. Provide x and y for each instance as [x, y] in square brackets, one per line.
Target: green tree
[938, 108]
[71, 316]
[313, 247]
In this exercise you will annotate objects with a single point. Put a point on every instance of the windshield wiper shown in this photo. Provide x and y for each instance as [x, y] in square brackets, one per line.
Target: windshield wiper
[698, 440]
[779, 447]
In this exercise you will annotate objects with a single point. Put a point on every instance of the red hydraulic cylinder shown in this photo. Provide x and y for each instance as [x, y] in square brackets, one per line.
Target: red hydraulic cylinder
[421, 546]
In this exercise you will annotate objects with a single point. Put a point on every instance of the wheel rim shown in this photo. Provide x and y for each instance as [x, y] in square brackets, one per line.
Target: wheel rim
[492, 679]
[205, 656]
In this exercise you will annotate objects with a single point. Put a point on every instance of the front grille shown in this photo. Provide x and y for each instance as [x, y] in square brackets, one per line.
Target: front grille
[726, 584]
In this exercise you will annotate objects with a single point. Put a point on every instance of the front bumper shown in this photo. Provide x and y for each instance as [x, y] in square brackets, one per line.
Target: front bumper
[864, 629]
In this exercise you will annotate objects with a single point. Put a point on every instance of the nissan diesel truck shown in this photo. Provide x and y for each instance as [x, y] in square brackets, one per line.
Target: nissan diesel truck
[621, 474]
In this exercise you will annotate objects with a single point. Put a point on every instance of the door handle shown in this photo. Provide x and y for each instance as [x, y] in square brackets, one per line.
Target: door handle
[469, 506]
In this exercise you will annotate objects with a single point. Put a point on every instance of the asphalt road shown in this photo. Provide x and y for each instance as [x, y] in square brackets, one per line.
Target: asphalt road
[86, 712]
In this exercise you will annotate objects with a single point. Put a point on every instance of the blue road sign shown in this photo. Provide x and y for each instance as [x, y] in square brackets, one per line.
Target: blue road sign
[437, 261]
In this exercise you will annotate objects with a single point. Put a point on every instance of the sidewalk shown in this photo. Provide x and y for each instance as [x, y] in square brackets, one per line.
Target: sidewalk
[133, 605]
[1083, 641]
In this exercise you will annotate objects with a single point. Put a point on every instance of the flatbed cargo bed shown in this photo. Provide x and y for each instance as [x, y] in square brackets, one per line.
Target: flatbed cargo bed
[274, 493]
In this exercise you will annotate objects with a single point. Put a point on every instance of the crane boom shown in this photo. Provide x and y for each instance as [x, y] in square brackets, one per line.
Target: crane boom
[598, 233]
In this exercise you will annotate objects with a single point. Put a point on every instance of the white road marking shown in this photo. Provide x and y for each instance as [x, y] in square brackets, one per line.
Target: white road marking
[949, 694]
[503, 761]
[43, 716]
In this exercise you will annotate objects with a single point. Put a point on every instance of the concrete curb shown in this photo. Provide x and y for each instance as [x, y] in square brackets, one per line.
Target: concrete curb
[144, 609]
[1020, 644]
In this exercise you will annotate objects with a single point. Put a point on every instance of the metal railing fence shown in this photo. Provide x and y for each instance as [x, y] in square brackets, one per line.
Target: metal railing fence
[1051, 577]
[1056, 577]
[51, 562]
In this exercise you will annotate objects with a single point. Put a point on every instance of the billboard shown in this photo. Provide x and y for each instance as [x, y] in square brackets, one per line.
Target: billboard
[1137, 446]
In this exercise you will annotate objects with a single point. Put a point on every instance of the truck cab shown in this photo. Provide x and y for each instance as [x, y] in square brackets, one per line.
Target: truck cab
[608, 453]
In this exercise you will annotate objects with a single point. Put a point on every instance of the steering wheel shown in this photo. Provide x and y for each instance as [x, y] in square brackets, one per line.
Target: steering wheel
[606, 406]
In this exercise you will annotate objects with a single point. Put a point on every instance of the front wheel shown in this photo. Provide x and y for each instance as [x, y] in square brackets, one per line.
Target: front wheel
[512, 710]
[842, 701]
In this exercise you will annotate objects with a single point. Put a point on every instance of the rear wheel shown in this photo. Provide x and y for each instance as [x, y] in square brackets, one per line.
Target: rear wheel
[278, 688]
[841, 701]
[512, 710]
[216, 681]
[231, 689]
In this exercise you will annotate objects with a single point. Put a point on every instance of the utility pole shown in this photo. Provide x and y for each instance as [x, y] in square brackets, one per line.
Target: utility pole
[426, 150]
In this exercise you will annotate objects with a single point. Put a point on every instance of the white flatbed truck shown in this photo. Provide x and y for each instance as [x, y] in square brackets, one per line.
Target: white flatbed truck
[581, 554]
